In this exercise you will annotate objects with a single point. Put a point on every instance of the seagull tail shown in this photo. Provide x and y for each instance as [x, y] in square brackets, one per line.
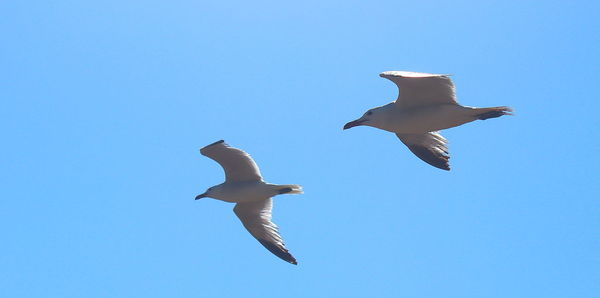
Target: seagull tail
[493, 112]
[289, 189]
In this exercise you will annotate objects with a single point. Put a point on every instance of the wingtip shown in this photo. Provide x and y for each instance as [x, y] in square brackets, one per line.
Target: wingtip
[446, 165]
[439, 160]
[441, 166]
[292, 260]
[280, 252]
[410, 74]
[215, 143]
[389, 73]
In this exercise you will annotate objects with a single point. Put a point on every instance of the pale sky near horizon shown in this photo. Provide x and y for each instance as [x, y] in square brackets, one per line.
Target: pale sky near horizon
[105, 105]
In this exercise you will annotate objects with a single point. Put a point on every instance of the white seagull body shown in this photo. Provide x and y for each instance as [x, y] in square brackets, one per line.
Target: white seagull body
[426, 104]
[244, 185]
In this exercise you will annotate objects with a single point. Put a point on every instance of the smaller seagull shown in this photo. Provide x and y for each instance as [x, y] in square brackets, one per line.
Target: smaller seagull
[244, 185]
[426, 104]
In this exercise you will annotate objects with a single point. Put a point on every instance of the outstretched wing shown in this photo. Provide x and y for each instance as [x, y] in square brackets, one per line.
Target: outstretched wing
[256, 217]
[237, 164]
[429, 147]
[421, 89]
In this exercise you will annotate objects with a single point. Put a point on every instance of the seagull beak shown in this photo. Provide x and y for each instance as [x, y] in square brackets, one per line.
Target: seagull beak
[354, 123]
[198, 197]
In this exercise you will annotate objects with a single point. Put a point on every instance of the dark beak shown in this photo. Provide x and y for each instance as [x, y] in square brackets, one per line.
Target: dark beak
[354, 123]
[198, 197]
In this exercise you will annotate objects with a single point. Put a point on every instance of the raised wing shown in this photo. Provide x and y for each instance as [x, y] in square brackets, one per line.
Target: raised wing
[429, 147]
[421, 89]
[256, 217]
[237, 164]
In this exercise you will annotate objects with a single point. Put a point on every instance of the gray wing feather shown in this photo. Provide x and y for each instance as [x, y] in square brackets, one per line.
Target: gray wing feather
[237, 164]
[256, 218]
[429, 147]
[420, 89]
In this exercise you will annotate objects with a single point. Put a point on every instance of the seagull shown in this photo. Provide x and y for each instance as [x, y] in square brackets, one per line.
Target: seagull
[244, 185]
[426, 104]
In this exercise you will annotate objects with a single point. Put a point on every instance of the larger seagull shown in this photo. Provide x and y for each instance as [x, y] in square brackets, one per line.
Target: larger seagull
[426, 104]
[244, 185]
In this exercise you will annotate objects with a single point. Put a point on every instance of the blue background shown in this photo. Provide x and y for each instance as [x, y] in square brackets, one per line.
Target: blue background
[105, 105]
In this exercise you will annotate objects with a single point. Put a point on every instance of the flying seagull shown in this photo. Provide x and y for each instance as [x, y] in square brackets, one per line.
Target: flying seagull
[426, 104]
[244, 185]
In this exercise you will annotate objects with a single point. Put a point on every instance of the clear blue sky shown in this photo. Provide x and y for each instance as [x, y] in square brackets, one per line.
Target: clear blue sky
[105, 105]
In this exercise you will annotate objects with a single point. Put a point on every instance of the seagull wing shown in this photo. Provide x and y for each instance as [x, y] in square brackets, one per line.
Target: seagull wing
[237, 164]
[421, 89]
[429, 147]
[256, 217]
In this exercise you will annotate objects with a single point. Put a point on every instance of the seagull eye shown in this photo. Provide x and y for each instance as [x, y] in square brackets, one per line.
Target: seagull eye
[369, 113]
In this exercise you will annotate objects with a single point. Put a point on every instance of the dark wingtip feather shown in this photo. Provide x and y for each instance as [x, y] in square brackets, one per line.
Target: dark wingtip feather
[215, 143]
[281, 252]
[285, 190]
[425, 154]
[495, 113]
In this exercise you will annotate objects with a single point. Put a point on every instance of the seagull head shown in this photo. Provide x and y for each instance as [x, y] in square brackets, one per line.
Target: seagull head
[366, 119]
[207, 194]
[360, 121]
